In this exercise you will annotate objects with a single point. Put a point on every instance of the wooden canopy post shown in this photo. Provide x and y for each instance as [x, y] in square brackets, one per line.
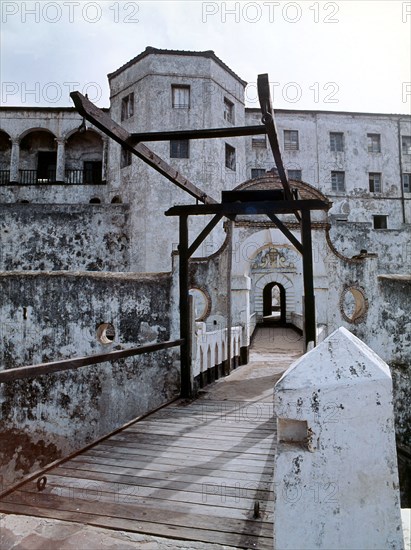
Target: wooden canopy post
[309, 300]
[185, 332]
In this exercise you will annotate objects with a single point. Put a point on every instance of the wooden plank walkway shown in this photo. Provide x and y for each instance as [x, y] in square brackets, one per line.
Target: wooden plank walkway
[191, 471]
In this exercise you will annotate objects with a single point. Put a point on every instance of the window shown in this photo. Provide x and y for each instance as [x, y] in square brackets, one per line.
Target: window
[179, 149]
[257, 172]
[374, 180]
[406, 145]
[125, 159]
[228, 111]
[229, 157]
[291, 140]
[259, 141]
[338, 181]
[295, 175]
[374, 143]
[180, 97]
[336, 141]
[127, 106]
[380, 222]
[406, 183]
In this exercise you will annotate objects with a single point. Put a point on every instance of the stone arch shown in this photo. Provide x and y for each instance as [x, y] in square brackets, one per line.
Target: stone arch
[5, 156]
[245, 251]
[216, 354]
[38, 156]
[35, 129]
[84, 157]
[276, 314]
[76, 130]
[279, 279]
[208, 365]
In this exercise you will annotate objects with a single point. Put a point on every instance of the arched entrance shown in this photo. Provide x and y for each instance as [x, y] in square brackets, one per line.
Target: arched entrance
[274, 303]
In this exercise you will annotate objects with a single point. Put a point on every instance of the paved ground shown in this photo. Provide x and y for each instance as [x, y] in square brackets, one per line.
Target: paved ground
[29, 533]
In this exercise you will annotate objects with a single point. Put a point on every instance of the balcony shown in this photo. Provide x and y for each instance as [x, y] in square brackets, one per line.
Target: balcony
[32, 177]
[4, 177]
[90, 176]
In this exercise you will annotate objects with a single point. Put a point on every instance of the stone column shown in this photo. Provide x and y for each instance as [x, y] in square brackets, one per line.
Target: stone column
[335, 473]
[14, 160]
[61, 160]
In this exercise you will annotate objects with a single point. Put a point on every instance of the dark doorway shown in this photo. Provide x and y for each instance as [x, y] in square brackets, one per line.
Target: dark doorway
[46, 166]
[274, 304]
[92, 171]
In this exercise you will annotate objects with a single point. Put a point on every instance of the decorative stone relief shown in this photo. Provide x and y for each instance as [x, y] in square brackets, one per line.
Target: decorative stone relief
[272, 257]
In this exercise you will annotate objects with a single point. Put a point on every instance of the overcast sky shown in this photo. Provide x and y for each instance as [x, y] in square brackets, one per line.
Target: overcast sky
[345, 55]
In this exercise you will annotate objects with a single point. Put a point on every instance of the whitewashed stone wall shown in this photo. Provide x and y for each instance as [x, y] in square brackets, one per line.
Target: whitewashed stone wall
[335, 474]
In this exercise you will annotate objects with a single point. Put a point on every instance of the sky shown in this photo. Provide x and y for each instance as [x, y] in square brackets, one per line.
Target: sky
[347, 55]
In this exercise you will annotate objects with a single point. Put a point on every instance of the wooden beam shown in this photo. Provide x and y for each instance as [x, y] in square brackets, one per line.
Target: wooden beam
[264, 96]
[284, 229]
[204, 233]
[32, 371]
[101, 120]
[185, 329]
[209, 133]
[310, 329]
[249, 208]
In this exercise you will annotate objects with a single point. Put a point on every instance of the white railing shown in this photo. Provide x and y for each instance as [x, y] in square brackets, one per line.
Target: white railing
[210, 348]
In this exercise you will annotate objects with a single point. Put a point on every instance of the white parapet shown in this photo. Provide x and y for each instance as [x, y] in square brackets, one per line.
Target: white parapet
[335, 477]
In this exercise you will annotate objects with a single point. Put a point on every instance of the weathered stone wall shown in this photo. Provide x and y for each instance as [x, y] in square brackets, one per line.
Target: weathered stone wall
[151, 80]
[396, 323]
[50, 316]
[92, 237]
[210, 276]
[392, 246]
[316, 161]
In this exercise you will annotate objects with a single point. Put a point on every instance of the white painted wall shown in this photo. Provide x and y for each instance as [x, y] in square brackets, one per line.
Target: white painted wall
[335, 474]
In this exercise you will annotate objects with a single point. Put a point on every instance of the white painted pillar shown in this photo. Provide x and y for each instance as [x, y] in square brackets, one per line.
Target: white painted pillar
[240, 305]
[335, 474]
[61, 160]
[14, 160]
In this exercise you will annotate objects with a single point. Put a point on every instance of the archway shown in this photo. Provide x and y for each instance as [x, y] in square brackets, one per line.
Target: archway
[5, 154]
[84, 158]
[38, 157]
[274, 303]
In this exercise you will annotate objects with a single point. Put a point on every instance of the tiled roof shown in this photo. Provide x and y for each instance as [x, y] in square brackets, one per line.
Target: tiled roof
[150, 50]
